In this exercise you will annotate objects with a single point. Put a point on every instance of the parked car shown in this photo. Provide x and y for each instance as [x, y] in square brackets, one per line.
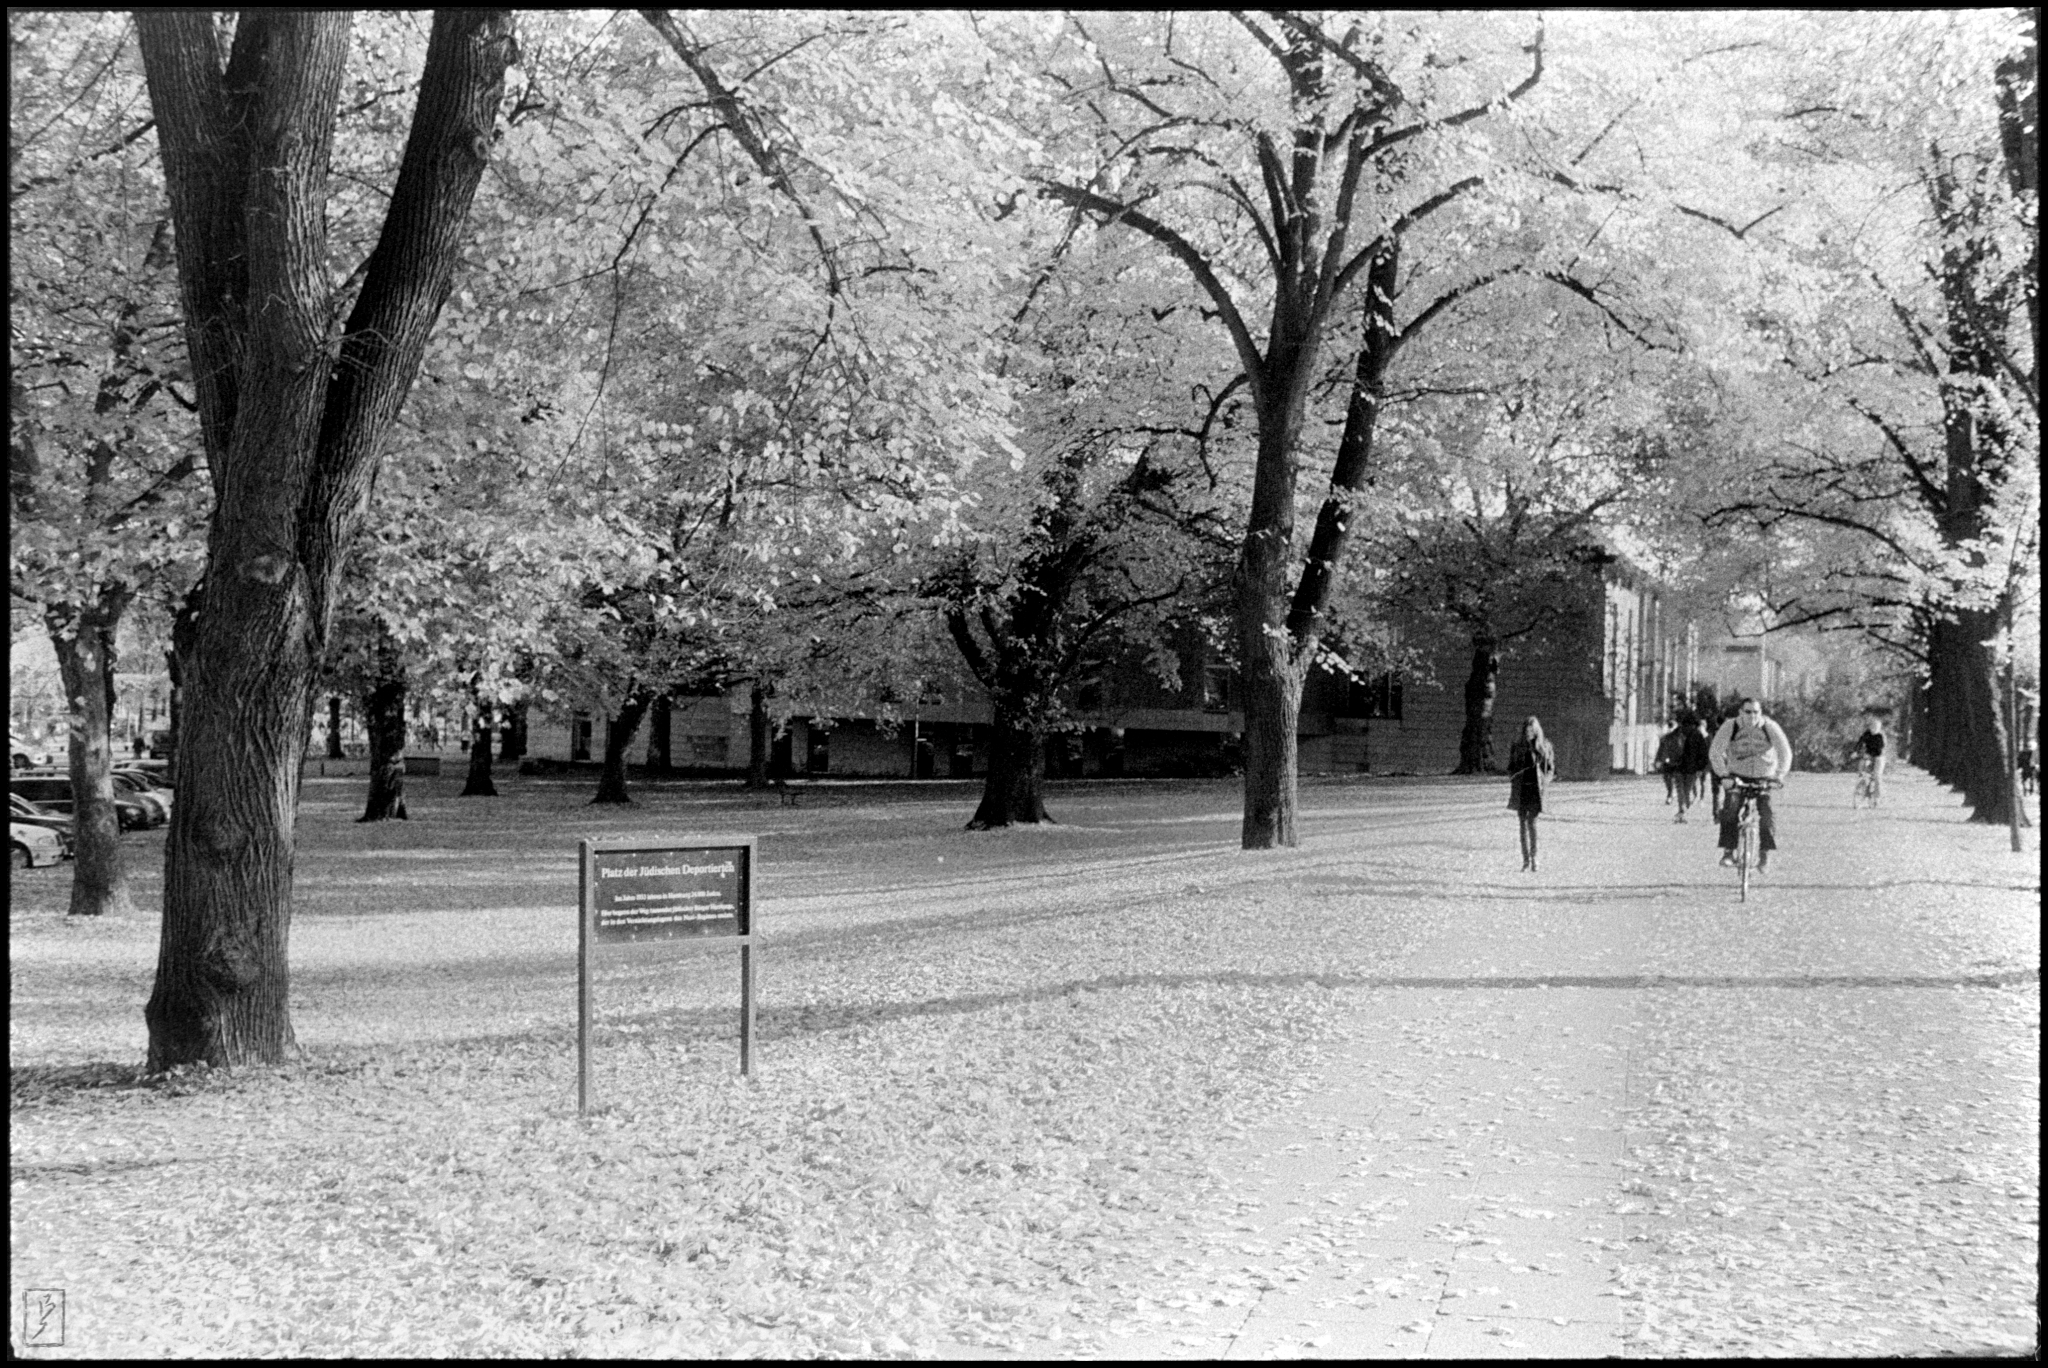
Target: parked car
[26, 754]
[54, 792]
[20, 809]
[155, 773]
[157, 800]
[29, 846]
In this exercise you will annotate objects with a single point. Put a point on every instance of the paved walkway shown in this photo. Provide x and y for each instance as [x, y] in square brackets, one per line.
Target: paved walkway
[1483, 1162]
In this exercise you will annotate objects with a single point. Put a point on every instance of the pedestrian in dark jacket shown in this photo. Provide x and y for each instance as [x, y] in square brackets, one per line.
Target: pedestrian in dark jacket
[1693, 765]
[1670, 751]
[1531, 762]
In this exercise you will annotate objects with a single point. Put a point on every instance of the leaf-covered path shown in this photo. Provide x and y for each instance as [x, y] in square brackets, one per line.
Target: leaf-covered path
[1108, 1088]
[1613, 1110]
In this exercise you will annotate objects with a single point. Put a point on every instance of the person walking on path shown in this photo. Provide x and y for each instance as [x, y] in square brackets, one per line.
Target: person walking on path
[1871, 745]
[1693, 764]
[1670, 752]
[1531, 762]
[1750, 746]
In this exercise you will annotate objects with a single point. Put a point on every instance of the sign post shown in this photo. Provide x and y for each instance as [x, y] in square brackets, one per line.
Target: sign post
[642, 891]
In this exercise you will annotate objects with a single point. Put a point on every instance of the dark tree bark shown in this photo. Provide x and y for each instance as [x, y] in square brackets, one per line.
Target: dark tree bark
[384, 721]
[618, 734]
[512, 736]
[334, 750]
[759, 736]
[659, 727]
[294, 420]
[177, 660]
[85, 660]
[1014, 791]
[1475, 743]
[479, 783]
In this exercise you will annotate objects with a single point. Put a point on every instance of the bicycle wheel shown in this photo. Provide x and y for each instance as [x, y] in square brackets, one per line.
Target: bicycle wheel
[1745, 848]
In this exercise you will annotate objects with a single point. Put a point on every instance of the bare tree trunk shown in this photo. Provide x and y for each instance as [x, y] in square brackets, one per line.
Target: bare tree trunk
[1475, 743]
[384, 720]
[85, 659]
[1270, 678]
[184, 641]
[758, 737]
[618, 734]
[479, 784]
[1013, 792]
[1272, 755]
[1963, 695]
[659, 724]
[334, 750]
[512, 737]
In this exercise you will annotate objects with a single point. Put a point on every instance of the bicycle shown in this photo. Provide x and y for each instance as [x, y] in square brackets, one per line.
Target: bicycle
[1866, 785]
[1748, 823]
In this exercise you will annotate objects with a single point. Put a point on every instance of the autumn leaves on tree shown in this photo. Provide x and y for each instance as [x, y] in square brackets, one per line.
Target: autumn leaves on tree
[794, 352]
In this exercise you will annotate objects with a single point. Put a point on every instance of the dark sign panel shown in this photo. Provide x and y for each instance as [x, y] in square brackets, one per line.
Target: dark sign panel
[678, 891]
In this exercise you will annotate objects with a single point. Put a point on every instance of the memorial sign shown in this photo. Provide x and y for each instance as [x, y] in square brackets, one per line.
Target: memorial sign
[640, 891]
[656, 893]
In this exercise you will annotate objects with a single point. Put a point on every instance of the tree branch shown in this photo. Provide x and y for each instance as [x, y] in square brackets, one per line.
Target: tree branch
[1247, 350]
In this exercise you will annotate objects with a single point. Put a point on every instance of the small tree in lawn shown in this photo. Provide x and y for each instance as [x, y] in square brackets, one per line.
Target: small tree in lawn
[1502, 515]
[296, 395]
[104, 513]
[1085, 550]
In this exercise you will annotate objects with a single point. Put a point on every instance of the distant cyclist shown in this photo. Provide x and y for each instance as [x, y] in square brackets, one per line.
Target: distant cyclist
[1750, 746]
[1872, 744]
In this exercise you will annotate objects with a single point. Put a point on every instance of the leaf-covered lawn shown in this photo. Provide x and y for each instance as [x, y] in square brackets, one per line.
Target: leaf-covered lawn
[983, 1060]
[1005, 1081]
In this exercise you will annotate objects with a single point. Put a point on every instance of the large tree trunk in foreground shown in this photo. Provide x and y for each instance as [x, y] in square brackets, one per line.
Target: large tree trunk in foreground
[294, 420]
[85, 658]
[618, 734]
[1475, 743]
[1013, 793]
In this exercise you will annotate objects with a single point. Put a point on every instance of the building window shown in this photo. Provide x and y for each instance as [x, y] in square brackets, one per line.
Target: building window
[1376, 697]
[579, 736]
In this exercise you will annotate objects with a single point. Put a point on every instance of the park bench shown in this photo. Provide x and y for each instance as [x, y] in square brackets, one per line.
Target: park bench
[791, 791]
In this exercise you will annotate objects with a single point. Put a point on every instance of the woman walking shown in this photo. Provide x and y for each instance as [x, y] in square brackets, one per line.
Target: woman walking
[1531, 762]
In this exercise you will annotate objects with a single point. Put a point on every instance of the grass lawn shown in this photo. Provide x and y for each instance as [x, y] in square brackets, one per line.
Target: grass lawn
[987, 1066]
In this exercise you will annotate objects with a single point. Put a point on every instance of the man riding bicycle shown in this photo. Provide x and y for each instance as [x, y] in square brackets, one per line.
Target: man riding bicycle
[1750, 746]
